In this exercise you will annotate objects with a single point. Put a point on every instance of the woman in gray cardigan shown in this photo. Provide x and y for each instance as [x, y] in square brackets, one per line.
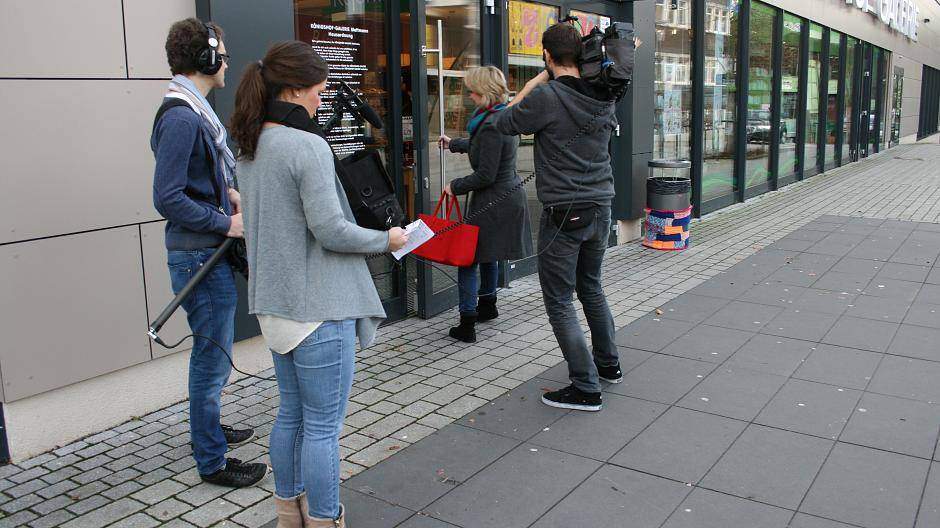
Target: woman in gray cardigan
[504, 229]
[309, 286]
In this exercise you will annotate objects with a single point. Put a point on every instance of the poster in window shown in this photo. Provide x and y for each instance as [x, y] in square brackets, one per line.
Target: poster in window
[589, 21]
[527, 22]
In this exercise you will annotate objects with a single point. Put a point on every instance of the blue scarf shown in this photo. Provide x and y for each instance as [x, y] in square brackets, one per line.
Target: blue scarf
[479, 115]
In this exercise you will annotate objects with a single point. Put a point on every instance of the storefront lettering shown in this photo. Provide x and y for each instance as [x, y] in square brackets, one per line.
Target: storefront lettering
[900, 15]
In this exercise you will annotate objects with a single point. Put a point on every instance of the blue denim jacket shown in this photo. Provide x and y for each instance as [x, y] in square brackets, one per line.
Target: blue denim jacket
[183, 190]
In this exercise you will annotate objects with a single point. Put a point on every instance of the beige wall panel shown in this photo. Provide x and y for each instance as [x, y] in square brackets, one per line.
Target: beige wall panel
[909, 125]
[72, 309]
[79, 157]
[52, 38]
[147, 23]
[159, 292]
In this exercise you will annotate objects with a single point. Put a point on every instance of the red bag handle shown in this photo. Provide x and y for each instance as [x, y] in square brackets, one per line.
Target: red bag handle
[451, 204]
[439, 201]
[454, 203]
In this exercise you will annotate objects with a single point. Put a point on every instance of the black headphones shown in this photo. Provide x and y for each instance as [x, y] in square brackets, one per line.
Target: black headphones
[208, 59]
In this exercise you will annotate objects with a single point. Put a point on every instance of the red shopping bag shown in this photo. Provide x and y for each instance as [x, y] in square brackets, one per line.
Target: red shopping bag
[457, 246]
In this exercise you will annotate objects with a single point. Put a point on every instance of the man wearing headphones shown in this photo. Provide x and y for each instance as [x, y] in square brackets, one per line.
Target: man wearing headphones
[193, 188]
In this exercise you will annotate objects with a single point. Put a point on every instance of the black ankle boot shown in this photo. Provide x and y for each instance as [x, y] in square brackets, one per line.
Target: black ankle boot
[486, 308]
[465, 331]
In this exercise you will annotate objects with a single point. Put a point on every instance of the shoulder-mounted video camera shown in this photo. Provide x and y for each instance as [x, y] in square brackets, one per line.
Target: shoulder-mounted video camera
[607, 59]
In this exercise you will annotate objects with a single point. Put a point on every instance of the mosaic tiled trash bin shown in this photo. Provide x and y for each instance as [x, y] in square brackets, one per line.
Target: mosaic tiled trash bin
[668, 210]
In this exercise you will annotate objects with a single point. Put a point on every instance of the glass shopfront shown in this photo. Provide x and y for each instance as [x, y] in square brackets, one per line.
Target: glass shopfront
[792, 99]
[408, 59]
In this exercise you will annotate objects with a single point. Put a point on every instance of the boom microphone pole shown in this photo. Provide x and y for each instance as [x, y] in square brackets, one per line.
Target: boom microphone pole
[161, 319]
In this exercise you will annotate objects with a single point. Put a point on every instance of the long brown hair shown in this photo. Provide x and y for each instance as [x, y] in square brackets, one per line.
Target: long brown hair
[290, 64]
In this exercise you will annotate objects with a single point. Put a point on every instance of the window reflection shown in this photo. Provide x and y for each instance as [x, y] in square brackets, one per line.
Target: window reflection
[814, 72]
[847, 148]
[760, 79]
[720, 94]
[673, 66]
[832, 99]
[789, 95]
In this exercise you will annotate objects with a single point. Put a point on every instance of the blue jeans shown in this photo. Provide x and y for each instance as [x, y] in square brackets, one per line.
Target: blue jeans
[569, 262]
[314, 380]
[210, 310]
[467, 288]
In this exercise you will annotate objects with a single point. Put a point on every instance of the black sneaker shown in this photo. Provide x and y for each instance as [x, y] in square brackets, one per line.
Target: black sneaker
[236, 437]
[237, 474]
[573, 398]
[609, 374]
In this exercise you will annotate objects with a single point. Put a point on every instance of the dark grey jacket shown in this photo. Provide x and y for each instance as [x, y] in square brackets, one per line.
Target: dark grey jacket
[505, 233]
[580, 173]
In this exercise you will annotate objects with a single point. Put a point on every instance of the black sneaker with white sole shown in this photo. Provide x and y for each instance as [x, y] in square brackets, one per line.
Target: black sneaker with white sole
[237, 474]
[610, 374]
[236, 437]
[572, 397]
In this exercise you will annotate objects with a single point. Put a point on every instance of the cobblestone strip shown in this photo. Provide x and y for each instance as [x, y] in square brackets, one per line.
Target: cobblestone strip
[415, 380]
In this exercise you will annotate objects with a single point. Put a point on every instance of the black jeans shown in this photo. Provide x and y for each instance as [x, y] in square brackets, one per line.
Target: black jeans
[570, 261]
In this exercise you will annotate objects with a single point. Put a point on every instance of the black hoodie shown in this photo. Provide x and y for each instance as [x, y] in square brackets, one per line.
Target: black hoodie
[579, 172]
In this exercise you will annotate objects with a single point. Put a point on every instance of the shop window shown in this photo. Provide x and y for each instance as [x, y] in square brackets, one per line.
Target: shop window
[673, 60]
[896, 101]
[813, 85]
[849, 114]
[874, 106]
[760, 81]
[680, 17]
[721, 100]
[832, 97]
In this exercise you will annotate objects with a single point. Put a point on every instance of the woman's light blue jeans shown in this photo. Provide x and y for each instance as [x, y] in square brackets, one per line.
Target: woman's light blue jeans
[314, 381]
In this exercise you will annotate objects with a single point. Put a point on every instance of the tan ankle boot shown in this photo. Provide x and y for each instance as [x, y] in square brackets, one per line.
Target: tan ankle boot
[314, 522]
[289, 513]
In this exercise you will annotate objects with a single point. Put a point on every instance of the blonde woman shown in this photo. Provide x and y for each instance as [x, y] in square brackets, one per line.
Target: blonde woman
[504, 229]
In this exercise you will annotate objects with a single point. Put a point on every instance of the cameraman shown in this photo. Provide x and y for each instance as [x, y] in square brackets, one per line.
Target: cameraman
[575, 185]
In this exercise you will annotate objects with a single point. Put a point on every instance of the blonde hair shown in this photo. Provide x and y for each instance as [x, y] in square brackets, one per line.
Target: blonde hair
[489, 83]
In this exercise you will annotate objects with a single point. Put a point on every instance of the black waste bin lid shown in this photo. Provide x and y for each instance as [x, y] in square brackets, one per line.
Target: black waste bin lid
[670, 164]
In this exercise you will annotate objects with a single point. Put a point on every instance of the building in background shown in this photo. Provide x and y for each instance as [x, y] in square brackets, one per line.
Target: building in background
[82, 267]
[761, 94]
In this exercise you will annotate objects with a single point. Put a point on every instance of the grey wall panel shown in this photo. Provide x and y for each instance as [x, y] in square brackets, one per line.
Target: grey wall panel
[50, 38]
[146, 24]
[72, 309]
[909, 125]
[249, 32]
[159, 292]
[79, 157]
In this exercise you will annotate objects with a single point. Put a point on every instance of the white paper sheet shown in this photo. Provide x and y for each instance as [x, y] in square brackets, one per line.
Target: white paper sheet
[418, 233]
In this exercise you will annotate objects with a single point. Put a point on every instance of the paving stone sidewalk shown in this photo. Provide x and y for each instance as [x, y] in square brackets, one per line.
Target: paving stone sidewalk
[799, 388]
[415, 381]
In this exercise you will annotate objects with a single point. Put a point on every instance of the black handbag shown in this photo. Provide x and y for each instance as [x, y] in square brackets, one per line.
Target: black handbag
[366, 183]
[369, 190]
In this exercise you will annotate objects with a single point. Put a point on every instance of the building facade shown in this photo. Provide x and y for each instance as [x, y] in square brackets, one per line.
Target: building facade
[814, 85]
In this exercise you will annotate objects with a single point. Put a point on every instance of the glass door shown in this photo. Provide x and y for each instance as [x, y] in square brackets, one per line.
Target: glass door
[354, 39]
[444, 41]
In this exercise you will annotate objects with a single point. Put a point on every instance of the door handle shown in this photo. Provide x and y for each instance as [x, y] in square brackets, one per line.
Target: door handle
[440, 96]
